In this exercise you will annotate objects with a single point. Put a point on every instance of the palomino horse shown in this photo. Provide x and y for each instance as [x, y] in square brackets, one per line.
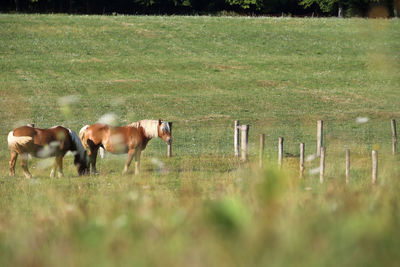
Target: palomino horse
[131, 139]
[44, 143]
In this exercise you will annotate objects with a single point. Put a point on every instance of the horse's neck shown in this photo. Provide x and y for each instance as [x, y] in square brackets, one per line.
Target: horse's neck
[150, 127]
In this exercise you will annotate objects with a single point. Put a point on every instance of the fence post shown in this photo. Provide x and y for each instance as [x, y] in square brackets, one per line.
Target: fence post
[244, 141]
[236, 138]
[322, 166]
[262, 141]
[347, 166]
[394, 136]
[169, 151]
[301, 160]
[374, 166]
[320, 133]
[280, 152]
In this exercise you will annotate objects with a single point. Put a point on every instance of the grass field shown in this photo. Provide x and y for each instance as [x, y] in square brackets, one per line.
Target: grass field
[202, 207]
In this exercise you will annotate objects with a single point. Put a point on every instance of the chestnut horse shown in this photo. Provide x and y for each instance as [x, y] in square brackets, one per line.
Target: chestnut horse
[44, 143]
[131, 139]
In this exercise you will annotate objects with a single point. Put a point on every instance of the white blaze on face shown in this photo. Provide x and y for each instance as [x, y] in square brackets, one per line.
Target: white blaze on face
[165, 127]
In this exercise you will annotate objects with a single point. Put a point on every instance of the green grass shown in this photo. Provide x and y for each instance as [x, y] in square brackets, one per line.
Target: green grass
[203, 207]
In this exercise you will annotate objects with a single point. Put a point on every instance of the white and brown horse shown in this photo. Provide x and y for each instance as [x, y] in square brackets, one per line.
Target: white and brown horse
[44, 143]
[131, 139]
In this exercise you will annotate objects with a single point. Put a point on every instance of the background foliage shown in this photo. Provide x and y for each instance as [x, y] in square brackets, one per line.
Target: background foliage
[254, 7]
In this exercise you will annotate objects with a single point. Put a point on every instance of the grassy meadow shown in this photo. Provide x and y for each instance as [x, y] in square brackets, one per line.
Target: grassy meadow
[203, 207]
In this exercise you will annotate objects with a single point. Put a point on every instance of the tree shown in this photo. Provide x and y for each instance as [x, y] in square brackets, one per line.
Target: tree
[245, 5]
[326, 6]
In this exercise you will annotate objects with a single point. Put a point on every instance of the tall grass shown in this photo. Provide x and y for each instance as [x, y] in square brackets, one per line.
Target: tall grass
[240, 218]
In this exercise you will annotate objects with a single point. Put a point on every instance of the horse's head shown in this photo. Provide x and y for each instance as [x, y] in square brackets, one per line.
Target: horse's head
[164, 131]
[81, 163]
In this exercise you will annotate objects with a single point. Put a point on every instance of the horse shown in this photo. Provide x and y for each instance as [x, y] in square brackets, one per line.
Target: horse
[131, 139]
[45, 143]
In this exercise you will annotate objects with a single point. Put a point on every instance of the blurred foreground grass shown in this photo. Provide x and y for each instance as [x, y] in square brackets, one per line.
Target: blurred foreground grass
[245, 217]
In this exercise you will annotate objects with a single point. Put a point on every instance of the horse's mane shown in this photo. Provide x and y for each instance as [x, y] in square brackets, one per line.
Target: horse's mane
[150, 127]
[78, 144]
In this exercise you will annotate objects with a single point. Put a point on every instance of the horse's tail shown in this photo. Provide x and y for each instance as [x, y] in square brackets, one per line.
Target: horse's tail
[82, 132]
[102, 150]
[15, 141]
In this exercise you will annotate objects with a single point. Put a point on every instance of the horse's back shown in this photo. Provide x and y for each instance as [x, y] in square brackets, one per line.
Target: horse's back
[24, 131]
[26, 139]
[112, 137]
[97, 132]
[56, 132]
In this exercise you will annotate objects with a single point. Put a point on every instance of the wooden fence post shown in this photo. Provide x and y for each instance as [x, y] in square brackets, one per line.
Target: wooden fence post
[236, 138]
[394, 136]
[322, 165]
[169, 151]
[301, 160]
[320, 133]
[280, 152]
[245, 139]
[374, 166]
[347, 166]
[262, 141]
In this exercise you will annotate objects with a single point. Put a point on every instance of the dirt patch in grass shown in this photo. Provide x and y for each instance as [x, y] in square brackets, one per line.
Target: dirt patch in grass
[221, 67]
[121, 81]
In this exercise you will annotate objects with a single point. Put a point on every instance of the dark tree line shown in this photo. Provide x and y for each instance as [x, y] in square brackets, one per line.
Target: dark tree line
[244, 7]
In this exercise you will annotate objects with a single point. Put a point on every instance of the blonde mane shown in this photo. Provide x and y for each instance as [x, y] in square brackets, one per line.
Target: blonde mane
[150, 127]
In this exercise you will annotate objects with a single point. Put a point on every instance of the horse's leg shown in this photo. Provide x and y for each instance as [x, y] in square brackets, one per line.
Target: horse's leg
[92, 153]
[24, 163]
[60, 172]
[93, 158]
[13, 160]
[54, 169]
[131, 153]
[137, 162]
